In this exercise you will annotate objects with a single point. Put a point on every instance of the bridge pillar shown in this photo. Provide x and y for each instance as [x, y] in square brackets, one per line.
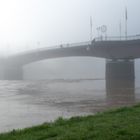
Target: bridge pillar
[1, 72]
[120, 82]
[120, 69]
[13, 73]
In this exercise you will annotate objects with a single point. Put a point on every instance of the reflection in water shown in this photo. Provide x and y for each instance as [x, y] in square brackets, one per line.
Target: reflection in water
[120, 92]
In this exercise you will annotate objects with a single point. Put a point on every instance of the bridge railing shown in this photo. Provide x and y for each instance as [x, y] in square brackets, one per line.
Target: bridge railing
[56, 47]
[117, 38]
[66, 45]
[101, 38]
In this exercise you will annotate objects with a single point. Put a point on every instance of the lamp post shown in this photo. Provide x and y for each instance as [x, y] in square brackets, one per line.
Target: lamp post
[91, 35]
[126, 18]
[120, 29]
[98, 31]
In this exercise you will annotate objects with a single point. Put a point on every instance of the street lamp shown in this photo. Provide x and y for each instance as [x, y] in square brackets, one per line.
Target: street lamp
[102, 29]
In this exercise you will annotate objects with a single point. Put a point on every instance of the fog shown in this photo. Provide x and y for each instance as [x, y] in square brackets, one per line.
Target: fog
[28, 24]
[32, 24]
[66, 68]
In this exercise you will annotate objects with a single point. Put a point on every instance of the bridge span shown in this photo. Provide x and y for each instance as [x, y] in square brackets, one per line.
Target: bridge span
[109, 48]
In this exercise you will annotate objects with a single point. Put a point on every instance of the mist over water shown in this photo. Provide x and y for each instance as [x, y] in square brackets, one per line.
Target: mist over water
[70, 68]
[66, 68]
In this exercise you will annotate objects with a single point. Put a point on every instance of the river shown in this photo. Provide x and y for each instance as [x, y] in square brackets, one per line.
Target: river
[30, 102]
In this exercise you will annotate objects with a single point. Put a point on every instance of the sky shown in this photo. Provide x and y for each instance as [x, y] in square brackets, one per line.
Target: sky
[30, 24]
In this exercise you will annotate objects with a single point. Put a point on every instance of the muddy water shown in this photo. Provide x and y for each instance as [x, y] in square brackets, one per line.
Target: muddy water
[27, 103]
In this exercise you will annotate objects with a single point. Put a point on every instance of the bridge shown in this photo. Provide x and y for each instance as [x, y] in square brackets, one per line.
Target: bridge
[118, 51]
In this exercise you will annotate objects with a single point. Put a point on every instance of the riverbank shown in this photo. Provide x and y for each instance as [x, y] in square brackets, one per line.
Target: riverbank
[120, 124]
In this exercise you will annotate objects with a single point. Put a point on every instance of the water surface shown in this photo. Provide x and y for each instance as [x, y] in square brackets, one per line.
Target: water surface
[27, 103]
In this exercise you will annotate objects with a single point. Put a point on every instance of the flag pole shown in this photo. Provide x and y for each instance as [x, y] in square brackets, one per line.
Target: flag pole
[126, 22]
[91, 28]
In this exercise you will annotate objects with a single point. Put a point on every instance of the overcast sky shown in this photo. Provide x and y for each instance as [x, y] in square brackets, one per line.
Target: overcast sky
[27, 24]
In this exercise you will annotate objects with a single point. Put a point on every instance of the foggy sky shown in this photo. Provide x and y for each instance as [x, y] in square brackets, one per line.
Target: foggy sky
[27, 24]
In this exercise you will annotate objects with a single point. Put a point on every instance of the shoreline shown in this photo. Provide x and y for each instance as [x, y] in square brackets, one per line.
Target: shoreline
[121, 123]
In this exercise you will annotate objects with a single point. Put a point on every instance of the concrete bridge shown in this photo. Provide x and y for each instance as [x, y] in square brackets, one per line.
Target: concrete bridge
[118, 52]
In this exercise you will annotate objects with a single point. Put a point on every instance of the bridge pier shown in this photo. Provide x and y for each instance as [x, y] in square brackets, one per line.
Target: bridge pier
[120, 69]
[13, 73]
[120, 82]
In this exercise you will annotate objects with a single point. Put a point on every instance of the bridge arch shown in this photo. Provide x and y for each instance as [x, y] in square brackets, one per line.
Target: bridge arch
[67, 68]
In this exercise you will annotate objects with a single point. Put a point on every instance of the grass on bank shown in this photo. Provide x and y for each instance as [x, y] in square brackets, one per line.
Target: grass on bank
[120, 124]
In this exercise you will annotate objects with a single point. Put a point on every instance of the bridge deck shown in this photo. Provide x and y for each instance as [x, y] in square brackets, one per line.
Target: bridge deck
[112, 49]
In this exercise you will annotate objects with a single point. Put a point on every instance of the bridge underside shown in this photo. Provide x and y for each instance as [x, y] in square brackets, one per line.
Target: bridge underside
[115, 69]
